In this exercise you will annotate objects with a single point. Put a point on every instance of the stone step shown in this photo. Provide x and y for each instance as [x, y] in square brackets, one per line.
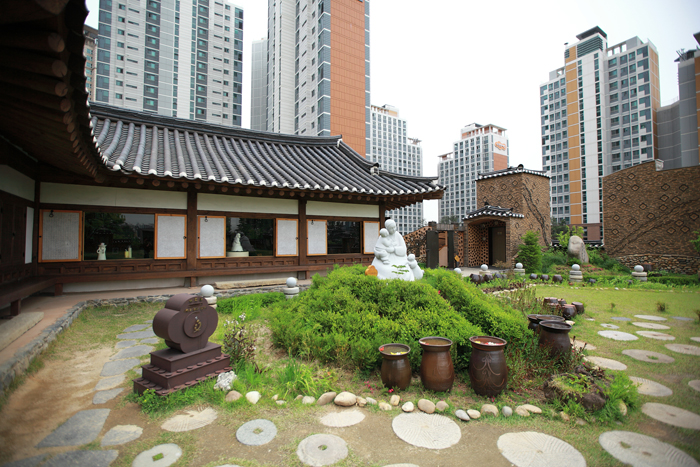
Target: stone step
[250, 283]
[11, 330]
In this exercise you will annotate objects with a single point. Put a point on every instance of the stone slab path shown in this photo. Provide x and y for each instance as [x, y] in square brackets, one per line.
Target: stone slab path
[672, 415]
[648, 356]
[121, 434]
[650, 317]
[651, 325]
[684, 349]
[431, 431]
[189, 421]
[640, 450]
[256, 432]
[322, 449]
[618, 335]
[656, 335]
[533, 449]
[607, 363]
[343, 419]
[162, 455]
[651, 388]
[81, 428]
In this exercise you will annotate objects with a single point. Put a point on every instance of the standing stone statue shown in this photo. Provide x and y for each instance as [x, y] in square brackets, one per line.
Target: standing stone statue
[101, 252]
[577, 249]
[237, 243]
[390, 259]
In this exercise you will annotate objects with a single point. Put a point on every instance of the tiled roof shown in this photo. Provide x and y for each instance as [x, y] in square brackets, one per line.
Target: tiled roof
[164, 147]
[511, 170]
[493, 211]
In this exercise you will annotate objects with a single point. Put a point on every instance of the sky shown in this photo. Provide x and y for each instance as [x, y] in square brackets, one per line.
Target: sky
[446, 64]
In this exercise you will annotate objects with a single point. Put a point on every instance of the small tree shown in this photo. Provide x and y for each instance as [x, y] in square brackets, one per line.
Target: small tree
[565, 235]
[530, 252]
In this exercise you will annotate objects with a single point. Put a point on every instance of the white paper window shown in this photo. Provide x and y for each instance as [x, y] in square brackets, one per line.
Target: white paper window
[371, 234]
[318, 241]
[171, 236]
[286, 240]
[212, 237]
[60, 235]
[29, 236]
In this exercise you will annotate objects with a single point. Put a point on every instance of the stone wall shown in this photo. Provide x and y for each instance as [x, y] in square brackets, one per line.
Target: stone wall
[678, 264]
[651, 212]
[416, 243]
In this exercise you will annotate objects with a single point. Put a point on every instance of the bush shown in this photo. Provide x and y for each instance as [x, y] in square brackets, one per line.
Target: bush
[530, 252]
[552, 258]
[675, 280]
[565, 235]
[482, 310]
[344, 318]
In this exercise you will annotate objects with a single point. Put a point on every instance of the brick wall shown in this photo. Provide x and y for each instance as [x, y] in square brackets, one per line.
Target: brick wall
[415, 243]
[651, 212]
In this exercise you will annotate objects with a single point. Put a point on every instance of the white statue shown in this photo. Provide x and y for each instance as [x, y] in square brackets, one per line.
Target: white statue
[102, 252]
[390, 258]
[237, 243]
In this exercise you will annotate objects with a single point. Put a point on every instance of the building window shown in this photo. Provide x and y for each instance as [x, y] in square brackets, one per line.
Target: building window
[257, 235]
[120, 234]
[343, 237]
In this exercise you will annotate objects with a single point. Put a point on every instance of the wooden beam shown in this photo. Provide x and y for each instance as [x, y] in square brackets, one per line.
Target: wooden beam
[31, 39]
[382, 214]
[33, 62]
[14, 11]
[191, 230]
[33, 81]
[303, 233]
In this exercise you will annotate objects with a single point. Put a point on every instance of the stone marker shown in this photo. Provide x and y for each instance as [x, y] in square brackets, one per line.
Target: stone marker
[431, 431]
[322, 449]
[473, 414]
[637, 449]
[462, 415]
[253, 397]
[426, 406]
[345, 399]
[672, 415]
[170, 452]
[132, 352]
[648, 356]
[91, 458]
[256, 432]
[326, 398]
[408, 407]
[656, 335]
[192, 420]
[489, 409]
[81, 428]
[118, 367]
[109, 383]
[651, 388]
[121, 434]
[342, 419]
[684, 349]
[650, 317]
[136, 327]
[618, 335]
[650, 325]
[530, 448]
[101, 397]
[606, 363]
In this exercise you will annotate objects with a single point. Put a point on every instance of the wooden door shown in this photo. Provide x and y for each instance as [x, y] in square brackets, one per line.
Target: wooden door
[497, 243]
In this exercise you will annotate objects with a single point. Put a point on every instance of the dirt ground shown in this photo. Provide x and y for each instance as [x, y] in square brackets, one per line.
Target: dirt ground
[66, 385]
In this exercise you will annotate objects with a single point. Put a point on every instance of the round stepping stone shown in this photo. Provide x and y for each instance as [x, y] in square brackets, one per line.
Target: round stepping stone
[137, 335]
[651, 388]
[650, 317]
[683, 318]
[650, 325]
[640, 450]
[621, 318]
[695, 384]
[610, 326]
[618, 335]
[530, 449]
[167, 454]
[323, 449]
[401, 465]
[343, 419]
[424, 430]
[121, 434]
[696, 339]
[648, 356]
[81, 428]
[91, 458]
[656, 335]
[125, 344]
[101, 397]
[190, 421]
[256, 432]
[109, 383]
[136, 327]
[118, 367]
[607, 363]
[684, 349]
[672, 415]
[150, 340]
[132, 352]
[581, 344]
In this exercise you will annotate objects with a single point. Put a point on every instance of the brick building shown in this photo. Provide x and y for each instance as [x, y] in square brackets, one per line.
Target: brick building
[651, 214]
[512, 202]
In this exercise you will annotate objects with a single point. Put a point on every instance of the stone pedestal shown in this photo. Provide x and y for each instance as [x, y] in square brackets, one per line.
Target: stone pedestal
[211, 301]
[640, 276]
[236, 254]
[575, 276]
[290, 292]
[483, 273]
[519, 272]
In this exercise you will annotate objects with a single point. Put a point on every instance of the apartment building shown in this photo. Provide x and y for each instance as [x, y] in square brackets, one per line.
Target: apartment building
[258, 86]
[397, 153]
[598, 116]
[481, 149]
[90, 53]
[318, 69]
[180, 58]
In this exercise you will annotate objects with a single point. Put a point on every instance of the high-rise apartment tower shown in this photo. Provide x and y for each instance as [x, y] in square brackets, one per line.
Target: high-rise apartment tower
[180, 58]
[318, 69]
[482, 148]
[90, 52]
[598, 115]
[395, 152]
[258, 86]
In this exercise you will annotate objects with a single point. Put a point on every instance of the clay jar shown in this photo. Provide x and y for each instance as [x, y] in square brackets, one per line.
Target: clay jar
[555, 336]
[568, 311]
[488, 372]
[535, 321]
[579, 307]
[436, 370]
[396, 369]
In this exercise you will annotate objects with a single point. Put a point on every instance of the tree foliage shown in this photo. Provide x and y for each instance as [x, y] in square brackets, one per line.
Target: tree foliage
[530, 252]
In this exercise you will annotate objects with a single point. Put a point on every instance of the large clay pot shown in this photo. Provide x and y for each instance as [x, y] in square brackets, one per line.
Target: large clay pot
[557, 278]
[555, 336]
[547, 300]
[396, 369]
[539, 318]
[568, 311]
[579, 307]
[476, 278]
[488, 372]
[533, 322]
[561, 301]
[436, 370]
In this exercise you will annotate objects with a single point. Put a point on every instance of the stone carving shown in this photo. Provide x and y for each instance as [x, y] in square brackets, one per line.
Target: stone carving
[390, 259]
[102, 252]
[237, 243]
[577, 248]
[237, 249]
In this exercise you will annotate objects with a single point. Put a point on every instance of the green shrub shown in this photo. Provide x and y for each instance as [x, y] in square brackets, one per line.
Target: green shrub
[344, 318]
[675, 280]
[551, 258]
[530, 252]
[485, 311]
[565, 235]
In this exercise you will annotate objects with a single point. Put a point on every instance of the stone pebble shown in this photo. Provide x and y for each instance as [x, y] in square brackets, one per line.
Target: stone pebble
[345, 399]
[489, 409]
[384, 406]
[394, 400]
[233, 396]
[462, 415]
[326, 398]
[306, 400]
[253, 397]
[441, 406]
[361, 401]
[519, 410]
[426, 406]
[473, 413]
[507, 411]
[531, 408]
[408, 407]
[371, 401]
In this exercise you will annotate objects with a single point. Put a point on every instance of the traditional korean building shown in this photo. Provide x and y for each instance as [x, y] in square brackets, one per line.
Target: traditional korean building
[166, 197]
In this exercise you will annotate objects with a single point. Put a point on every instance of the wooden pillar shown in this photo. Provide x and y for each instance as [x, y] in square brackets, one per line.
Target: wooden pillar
[303, 237]
[35, 233]
[191, 230]
[382, 214]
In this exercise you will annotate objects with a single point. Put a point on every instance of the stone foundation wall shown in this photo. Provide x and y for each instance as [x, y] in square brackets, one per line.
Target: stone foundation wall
[677, 264]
